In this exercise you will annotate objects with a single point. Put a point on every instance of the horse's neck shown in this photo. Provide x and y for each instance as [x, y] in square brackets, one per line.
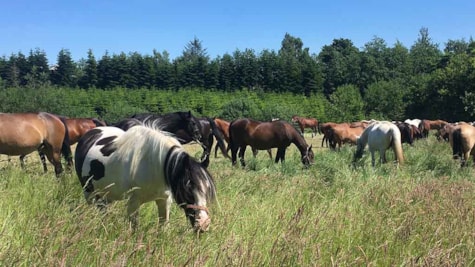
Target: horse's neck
[299, 141]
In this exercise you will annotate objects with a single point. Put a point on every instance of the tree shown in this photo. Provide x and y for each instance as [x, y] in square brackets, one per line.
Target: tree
[339, 64]
[346, 104]
[64, 72]
[90, 78]
[424, 54]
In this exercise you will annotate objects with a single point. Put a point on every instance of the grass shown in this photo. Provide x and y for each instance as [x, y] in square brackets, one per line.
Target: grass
[266, 214]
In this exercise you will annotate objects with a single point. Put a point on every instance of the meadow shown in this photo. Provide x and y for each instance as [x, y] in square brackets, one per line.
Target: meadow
[331, 214]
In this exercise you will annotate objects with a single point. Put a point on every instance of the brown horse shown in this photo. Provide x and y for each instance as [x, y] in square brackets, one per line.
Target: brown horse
[427, 125]
[343, 133]
[223, 127]
[306, 123]
[24, 133]
[462, 140]
[266, 135]
[76, 127]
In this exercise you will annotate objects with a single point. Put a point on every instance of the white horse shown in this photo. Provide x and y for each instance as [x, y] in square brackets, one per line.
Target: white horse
[380, 135]
[415, 122]
[143, 165]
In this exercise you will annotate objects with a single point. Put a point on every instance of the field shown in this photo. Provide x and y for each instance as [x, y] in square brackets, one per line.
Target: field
[421, 214]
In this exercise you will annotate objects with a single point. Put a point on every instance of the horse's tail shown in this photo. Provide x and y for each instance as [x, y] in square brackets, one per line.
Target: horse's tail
[397, 145]
[219, 137]
[66, 147]
[457, 147]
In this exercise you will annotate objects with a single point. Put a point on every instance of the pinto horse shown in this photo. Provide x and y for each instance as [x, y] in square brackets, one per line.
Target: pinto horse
[24, 133]
[223, 127]
[143, 165]
[462, 140]
[380, 135]
[306, 123]
[266, 135]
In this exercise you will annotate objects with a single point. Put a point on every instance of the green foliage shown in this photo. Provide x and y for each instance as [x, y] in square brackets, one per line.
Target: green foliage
[346, 104]
[385, 99]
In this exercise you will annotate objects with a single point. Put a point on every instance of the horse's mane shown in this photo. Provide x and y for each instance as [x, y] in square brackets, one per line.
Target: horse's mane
[181, 170]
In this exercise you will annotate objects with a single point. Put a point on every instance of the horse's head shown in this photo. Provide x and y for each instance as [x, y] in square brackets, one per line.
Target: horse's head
[308, 157]
[359, 149]
[198, 216]
[193, 126]
[295, 118]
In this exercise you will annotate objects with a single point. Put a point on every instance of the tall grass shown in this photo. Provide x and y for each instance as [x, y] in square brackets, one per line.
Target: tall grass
[268, 214]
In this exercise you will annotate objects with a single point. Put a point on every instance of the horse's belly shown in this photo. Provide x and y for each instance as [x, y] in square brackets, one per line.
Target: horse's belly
[17, 150]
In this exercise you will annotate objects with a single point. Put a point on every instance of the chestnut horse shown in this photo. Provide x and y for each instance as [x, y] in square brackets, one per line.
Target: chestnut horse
[24, 133]
[427, 125]
[343, 133]
[266, 135]
[306, 123]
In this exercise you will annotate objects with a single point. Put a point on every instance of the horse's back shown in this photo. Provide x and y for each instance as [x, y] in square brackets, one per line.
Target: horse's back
[23, 133]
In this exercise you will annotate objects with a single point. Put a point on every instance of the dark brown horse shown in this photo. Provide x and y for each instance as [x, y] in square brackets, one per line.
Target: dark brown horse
[266, 135]
[407, 132]
[24, 133]
[223, 127]
[306, 123]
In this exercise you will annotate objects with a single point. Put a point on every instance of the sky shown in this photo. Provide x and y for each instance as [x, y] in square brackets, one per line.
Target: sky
[222, 26]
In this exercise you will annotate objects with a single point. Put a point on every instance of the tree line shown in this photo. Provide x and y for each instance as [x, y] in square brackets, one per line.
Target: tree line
[375, 81]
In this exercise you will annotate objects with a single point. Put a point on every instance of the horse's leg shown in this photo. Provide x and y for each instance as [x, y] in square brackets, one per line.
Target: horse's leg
[43, 161]
[269, 151]
[206, 151]
[254, 152]
[22, 161]
[54, 156]
[242, 150]
[163, 206]
[372, 158]
[234, 150]
[382, 155]
[133, 205]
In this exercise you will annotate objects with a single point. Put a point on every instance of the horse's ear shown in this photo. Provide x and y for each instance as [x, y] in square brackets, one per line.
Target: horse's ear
[309, 148]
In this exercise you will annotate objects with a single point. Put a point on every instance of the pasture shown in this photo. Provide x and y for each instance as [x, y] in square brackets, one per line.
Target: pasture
[265, 215]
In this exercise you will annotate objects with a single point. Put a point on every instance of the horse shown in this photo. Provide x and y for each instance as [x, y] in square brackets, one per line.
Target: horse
[77, 127]
[223, 127]
[462, 140]
[380, 135]
[266, 135]
[143, 164]
[407, 132]
[426, 125]
[24, 133]
[209, 131]
[306, 123]
[343, 133]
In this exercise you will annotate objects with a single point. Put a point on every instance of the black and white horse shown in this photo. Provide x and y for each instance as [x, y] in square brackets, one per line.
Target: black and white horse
[142, 165]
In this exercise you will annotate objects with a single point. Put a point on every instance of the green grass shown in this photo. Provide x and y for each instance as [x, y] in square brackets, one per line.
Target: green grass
[266, 214]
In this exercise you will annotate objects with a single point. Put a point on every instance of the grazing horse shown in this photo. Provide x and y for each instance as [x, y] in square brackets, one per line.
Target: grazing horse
[24, 133]
[306, 123]
[223, 127]
[143, 165]
[407, 132]
[462, 140]
[266, 135]
[427, 125]
[380, 135]
[343, 133]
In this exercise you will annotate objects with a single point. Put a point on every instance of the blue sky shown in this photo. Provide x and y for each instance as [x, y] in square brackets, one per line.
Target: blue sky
[222, 26]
